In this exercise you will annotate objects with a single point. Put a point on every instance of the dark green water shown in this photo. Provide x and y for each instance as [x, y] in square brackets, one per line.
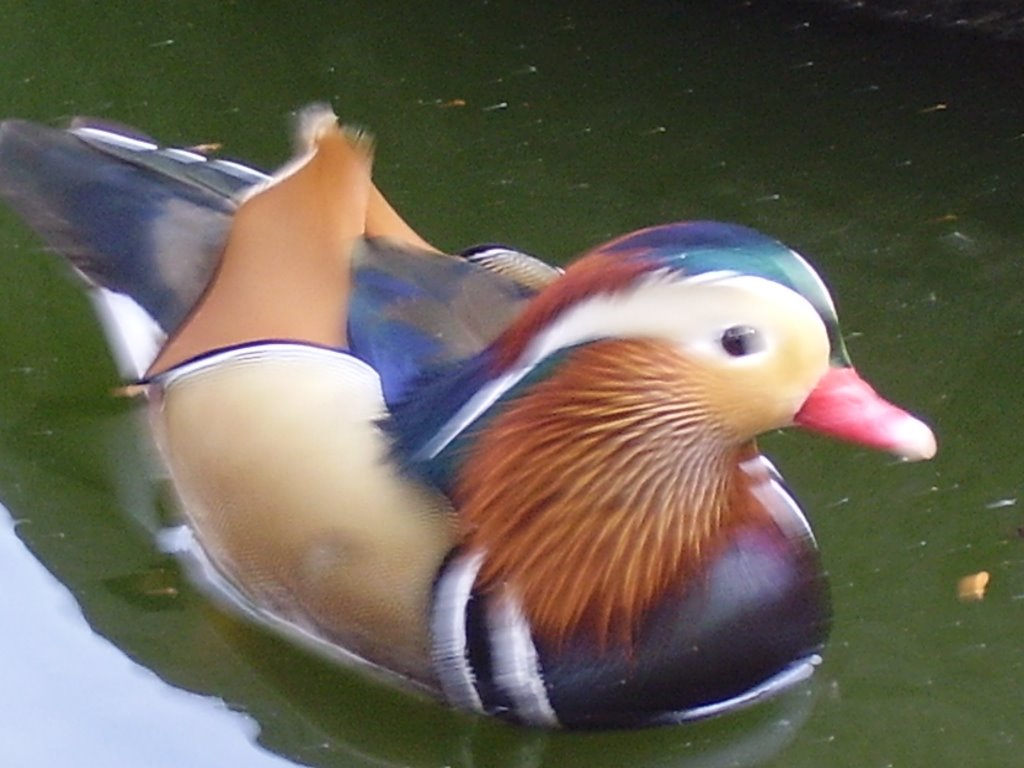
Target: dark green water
[895, 162]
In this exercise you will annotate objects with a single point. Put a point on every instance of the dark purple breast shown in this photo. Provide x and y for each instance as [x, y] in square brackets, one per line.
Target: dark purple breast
[749, 625]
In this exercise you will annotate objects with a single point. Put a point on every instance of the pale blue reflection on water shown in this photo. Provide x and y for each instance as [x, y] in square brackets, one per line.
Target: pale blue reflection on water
[101, 708]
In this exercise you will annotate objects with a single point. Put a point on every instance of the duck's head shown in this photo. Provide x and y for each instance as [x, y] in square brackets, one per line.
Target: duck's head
[745, 331]
[758, 322]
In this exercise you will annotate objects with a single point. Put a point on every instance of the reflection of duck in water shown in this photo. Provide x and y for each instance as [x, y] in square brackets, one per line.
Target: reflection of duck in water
[536, 495]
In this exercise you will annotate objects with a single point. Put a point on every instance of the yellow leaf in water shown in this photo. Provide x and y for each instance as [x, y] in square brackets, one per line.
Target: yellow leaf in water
[972, 588]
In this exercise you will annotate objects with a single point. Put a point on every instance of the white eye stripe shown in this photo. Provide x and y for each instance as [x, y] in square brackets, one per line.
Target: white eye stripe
[689, 311]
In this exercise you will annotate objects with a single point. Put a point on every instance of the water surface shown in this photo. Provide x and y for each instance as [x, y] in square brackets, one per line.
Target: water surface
[893, 159]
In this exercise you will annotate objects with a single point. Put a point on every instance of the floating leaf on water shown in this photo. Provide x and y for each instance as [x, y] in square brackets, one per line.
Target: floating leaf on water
[972, 588]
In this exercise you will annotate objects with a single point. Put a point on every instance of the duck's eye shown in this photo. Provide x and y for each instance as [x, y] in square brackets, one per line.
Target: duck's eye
[741, 340]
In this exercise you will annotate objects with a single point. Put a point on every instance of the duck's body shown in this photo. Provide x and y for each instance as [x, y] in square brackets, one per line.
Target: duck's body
[537, 496]
[284, 475]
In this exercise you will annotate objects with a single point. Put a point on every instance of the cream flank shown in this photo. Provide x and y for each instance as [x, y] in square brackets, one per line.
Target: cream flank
[285, 479]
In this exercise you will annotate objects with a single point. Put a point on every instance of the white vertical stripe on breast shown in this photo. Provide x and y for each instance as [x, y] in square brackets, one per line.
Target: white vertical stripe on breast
[777, 501]
[448, 628]
[516, 664]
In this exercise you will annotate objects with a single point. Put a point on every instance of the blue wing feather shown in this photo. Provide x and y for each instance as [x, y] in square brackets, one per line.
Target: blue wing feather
[412, 311]
[433, 399]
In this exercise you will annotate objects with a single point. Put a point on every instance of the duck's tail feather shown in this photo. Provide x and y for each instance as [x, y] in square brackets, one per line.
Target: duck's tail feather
[143, 225]
[193, 166]
[146, 227]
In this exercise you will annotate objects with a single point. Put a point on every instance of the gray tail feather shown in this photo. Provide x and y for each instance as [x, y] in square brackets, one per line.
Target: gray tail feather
[137, 221]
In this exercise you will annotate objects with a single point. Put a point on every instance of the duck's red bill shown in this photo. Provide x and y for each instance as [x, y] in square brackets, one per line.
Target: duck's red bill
[845, 406]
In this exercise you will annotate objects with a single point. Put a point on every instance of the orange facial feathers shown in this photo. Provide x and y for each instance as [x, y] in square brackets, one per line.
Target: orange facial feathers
[596, 492]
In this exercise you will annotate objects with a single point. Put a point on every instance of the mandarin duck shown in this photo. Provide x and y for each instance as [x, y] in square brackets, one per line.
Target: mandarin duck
[533, 494]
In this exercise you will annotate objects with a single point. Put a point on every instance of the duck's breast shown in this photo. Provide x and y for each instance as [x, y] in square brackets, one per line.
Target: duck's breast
[286, 481]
